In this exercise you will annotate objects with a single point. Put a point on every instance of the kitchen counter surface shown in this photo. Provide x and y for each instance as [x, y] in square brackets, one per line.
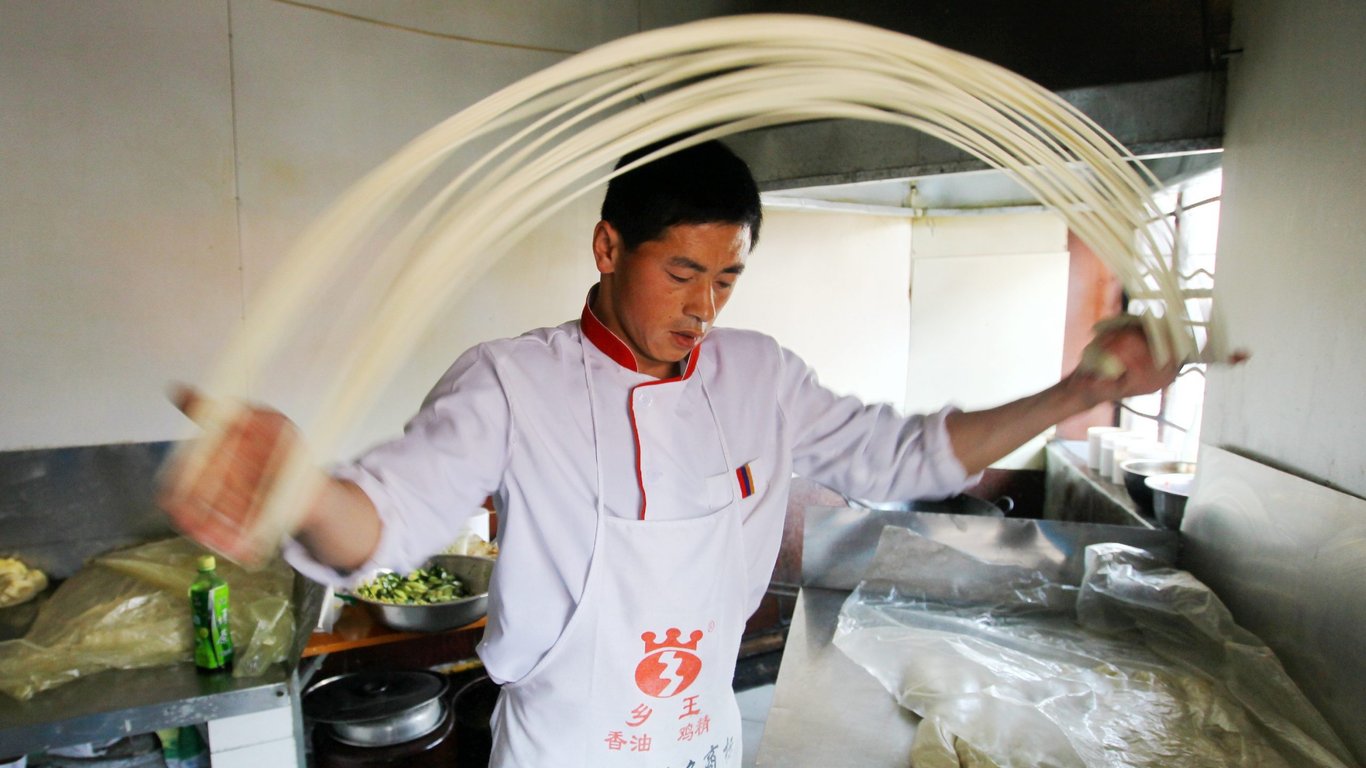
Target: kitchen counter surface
[64, 506]
[1073, 491]
[827, 711]
[118, 703]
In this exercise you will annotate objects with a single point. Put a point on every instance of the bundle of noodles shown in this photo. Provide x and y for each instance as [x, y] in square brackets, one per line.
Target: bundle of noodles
[556, 133]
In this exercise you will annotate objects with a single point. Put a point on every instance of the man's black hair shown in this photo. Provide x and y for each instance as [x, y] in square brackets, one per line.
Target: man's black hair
[702, 184]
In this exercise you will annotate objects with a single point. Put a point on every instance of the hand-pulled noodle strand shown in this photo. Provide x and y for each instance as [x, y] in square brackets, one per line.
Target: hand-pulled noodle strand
[570, 122]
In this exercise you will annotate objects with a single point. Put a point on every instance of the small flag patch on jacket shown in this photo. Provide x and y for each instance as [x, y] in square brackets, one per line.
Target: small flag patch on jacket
[746, 477]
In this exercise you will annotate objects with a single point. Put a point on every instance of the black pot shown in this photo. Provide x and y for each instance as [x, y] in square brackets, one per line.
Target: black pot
[473, 706]
[962, 504]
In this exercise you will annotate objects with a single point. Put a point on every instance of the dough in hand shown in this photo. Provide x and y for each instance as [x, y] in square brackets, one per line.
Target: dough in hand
[1100, 363]
[1096, 360]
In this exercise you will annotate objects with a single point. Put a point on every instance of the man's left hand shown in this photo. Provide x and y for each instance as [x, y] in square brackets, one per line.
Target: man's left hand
[1119, 363]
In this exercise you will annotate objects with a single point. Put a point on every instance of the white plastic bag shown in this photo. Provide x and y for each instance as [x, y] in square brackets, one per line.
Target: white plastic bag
[1147, 668]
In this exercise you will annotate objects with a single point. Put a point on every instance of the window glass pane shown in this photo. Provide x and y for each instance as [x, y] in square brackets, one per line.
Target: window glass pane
[1192, 208]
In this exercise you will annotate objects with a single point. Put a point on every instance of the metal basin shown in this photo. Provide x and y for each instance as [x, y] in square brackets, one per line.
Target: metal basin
[1136, 471]
[378, 708]
[473, 571]
[1170, 493]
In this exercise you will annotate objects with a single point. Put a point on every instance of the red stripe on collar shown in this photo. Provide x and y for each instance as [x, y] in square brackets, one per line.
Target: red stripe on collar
[603, 338]
[612, 346]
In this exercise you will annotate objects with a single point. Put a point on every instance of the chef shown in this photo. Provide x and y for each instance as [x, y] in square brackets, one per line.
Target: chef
[639, 458]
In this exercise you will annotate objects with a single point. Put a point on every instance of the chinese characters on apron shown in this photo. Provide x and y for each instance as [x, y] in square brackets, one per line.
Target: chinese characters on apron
[641, 675]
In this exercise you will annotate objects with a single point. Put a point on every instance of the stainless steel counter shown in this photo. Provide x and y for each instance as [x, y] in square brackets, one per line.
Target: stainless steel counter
[62, 506]
[827, 711]
[1073, 491]
[119, 703]
[124, 702]
[1288, 557]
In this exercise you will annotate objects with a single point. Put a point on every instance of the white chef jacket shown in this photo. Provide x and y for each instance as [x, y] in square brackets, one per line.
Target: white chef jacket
[511, 419]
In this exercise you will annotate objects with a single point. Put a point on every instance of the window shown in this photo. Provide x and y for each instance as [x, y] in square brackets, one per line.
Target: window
[1172, 417]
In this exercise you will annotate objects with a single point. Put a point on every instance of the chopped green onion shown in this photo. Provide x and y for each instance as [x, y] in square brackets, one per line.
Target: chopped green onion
[424, 586]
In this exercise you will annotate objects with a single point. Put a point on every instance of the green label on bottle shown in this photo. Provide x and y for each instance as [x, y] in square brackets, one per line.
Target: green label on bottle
[212, 639]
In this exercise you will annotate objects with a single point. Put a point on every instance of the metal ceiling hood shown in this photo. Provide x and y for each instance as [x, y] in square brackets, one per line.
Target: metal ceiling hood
[1151, 72]
[1167, 117]
[1060, 44]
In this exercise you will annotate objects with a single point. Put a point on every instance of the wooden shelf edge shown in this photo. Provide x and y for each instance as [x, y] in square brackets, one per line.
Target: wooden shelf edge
[355, 628]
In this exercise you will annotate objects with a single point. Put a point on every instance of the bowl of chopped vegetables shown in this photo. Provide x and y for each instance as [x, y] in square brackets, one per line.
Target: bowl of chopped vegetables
[448, 591]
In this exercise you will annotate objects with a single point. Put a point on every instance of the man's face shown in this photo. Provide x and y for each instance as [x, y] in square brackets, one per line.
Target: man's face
[663, 297]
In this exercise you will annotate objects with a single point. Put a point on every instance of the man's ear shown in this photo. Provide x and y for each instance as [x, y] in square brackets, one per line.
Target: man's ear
[607, 248]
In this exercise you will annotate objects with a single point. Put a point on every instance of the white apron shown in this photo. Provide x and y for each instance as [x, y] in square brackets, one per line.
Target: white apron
[641, 676]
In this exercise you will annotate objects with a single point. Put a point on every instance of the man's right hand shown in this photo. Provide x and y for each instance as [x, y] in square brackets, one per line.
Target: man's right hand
[220, 504]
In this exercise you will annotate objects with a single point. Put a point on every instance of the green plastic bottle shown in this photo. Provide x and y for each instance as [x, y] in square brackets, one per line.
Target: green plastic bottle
[209, 612]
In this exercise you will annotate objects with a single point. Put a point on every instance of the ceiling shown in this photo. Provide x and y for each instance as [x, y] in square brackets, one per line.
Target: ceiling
[1150, 71]
[1058, 43]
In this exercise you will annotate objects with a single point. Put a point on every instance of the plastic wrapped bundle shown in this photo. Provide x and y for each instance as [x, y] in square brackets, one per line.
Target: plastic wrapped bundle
[128, 609]
[1145, 667]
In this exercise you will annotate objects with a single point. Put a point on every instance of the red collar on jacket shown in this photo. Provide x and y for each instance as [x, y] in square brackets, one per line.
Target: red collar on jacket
[612, 346]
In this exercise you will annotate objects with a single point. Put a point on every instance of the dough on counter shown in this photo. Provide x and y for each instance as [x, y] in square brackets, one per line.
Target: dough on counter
[18, 582]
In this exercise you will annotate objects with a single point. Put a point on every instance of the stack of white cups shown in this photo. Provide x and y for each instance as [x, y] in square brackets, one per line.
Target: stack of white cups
[1093, 444]
[1111, 445]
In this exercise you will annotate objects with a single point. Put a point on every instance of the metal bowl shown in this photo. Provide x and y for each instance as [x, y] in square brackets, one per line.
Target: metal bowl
[1136, 471]
[1170, 493]
[473, 571]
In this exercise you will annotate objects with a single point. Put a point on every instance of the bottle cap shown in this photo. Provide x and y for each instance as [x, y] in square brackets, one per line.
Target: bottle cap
[206, 563]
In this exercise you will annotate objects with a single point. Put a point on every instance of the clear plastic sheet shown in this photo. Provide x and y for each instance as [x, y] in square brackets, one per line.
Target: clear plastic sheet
[1140, 666]
[129, 609]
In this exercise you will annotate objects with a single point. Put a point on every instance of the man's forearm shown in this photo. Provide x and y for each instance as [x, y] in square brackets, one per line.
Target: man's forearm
[342, 528]
[981, 438]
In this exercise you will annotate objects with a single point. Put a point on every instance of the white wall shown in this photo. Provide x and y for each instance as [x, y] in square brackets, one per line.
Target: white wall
[320, 100]
[118, 233]
[156, 158]
[988, 309]
[159, 158]
[1292, 242]
[832, 288]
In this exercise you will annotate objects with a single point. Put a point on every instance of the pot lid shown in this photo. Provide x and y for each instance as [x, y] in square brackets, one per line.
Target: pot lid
[371, 695]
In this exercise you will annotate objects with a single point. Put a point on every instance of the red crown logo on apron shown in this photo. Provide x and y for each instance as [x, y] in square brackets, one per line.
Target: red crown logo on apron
[669, 667]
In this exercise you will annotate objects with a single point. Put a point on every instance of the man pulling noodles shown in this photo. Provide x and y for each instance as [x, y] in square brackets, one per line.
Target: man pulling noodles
[639, 458]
